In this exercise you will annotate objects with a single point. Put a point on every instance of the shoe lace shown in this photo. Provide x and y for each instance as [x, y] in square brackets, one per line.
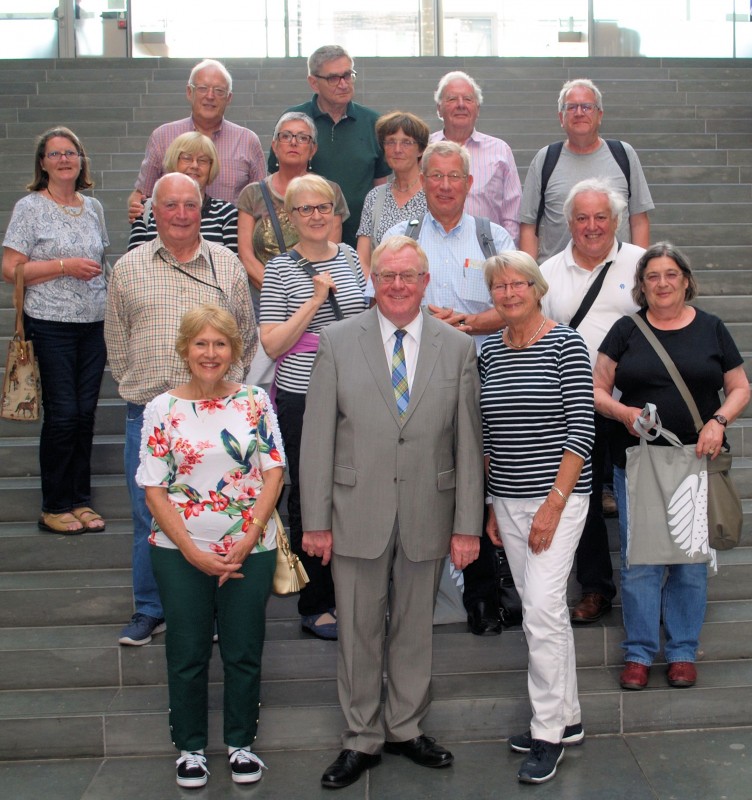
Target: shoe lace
[537, 749]
[244, 756]
[193, 761]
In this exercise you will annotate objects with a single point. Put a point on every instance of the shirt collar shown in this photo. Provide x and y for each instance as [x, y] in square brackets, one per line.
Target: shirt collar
[158, 248]
[214, 133]
[388, 328]
[569, 255]
[317, 112]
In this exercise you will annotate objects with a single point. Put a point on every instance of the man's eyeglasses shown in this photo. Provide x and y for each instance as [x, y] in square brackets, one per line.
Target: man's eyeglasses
[189, 158]
[333, 80]
[587, 108]
[453, 177]
[287, 137]
[307, 211]
[202, 91]
[409, 276]
[56, 155]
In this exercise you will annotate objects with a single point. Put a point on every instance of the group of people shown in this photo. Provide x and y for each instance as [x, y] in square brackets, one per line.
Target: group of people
[487, 366]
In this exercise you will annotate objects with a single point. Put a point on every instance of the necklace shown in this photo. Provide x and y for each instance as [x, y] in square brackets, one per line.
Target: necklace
[398, 188]
[528, 342]
[64, 208]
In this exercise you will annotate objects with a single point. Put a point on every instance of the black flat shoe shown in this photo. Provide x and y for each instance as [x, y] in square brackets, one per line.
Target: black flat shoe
[348, 767]
[482, 621]
[422, 750]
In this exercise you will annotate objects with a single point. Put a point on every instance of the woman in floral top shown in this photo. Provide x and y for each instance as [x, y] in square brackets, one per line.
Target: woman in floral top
[212, 466]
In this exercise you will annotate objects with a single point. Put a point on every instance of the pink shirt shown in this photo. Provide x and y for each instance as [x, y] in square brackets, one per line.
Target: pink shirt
[241, 158]
[496, 190]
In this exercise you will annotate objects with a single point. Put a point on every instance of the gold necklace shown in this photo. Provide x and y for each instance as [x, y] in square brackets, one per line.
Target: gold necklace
[407, 188]
[528, 342]
[64, 208]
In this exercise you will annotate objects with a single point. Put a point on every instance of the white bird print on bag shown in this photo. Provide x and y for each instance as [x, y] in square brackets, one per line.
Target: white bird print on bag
[688, 515]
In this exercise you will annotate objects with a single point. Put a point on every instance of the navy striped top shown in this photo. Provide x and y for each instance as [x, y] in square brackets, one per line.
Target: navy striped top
[536, 403]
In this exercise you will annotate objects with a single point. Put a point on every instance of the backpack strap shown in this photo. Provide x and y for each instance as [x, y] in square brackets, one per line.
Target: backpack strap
[276, 227]
[483, 234]
[619, 153]
[378, 211]
[305, 265]
[413, 227]
[348, 254]
[553, 151]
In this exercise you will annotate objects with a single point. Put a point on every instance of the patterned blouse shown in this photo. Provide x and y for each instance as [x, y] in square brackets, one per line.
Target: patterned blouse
[391, 213]
[210, 456]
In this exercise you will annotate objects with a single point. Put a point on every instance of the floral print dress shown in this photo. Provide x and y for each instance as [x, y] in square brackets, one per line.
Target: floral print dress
[210, 455]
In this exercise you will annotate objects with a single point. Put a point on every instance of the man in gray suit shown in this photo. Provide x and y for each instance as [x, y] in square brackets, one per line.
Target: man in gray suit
[391, 474]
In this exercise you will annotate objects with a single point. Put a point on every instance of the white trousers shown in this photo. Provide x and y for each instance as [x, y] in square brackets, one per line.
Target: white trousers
[541, 581]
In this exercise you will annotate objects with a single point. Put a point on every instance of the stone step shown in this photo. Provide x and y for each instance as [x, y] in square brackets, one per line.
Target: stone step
[19, 457]
[693, 213]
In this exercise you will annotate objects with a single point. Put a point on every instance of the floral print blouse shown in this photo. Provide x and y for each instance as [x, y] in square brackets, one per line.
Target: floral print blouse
[210, 455]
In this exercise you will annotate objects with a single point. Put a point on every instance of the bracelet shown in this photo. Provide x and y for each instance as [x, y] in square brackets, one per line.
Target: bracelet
[489, 500]
[62, 267]
[260, 523]
[560, 493]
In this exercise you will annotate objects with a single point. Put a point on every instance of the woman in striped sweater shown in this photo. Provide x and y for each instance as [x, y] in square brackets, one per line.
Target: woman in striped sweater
[537, 406]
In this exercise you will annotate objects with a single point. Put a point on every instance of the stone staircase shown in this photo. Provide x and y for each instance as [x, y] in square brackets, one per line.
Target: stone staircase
[67, 689]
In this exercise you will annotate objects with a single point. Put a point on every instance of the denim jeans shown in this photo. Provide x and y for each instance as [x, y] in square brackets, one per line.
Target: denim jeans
[71, 359]
[675, 593]
[145, 591]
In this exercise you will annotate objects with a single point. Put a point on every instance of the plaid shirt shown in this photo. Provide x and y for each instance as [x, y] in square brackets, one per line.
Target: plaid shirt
[148, 293]
[241, 158]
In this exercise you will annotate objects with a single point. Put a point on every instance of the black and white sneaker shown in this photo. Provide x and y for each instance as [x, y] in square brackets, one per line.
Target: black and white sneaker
[540, 765]
[246, 766]
[192, 771]
[522, 742]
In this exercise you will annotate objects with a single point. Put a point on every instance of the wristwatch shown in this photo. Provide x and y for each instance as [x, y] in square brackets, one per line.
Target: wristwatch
[720, 419]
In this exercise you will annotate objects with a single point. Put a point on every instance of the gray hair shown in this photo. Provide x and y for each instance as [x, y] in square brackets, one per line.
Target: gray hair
[580, 83]
[182, 175]
[616, 201]
[211, 62]
[296, 115]
[445, 148]
[660, 250]
[458, 75]
[393, 245]
[520, 262]
[329, 52]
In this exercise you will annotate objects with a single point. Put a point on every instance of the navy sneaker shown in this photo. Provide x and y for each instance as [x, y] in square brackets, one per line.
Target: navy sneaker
[573, 735]
[140, 629]
[192, 771]
[540, 765]
[246, 766]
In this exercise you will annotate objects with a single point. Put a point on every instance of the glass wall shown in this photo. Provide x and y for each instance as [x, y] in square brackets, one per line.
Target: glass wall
[279, 28]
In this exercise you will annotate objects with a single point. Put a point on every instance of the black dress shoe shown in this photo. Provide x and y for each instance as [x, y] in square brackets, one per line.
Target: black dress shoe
[482, 621]
[348, 767]
[422, 750]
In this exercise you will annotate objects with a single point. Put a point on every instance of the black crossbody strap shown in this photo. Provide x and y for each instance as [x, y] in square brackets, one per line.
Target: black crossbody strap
[591, 294]
[266, 194]
[672, 370]
[305, 265]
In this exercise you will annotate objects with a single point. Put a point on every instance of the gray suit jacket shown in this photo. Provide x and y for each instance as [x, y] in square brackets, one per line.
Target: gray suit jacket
[360, 465]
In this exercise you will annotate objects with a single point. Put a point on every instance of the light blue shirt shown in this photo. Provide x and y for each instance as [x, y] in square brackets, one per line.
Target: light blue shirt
[456, 264]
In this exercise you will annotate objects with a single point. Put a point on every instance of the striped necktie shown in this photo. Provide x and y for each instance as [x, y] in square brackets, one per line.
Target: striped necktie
[399, 374]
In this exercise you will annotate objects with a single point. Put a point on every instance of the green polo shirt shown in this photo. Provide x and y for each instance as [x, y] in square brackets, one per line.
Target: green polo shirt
[348, 154]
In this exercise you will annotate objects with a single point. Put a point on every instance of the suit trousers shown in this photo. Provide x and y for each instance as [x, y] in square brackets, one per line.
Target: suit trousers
[541, 581]
[366, 588]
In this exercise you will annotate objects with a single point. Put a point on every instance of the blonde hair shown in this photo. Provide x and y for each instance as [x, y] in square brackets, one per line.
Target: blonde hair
[520, 262]
[194, 143]
[307, 183]
[208, 315]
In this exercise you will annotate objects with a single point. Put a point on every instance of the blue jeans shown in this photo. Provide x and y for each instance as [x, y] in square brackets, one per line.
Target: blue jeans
[675, 593]
[71, 359]
[145, 591]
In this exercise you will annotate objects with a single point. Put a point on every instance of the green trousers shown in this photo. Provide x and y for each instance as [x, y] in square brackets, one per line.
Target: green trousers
[190, 599]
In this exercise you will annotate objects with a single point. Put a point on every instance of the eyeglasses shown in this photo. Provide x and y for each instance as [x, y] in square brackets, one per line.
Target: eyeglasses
[307, 211]
[452, 177]
[393, 144]
[189, 158]
[56, 155]
[217, 91]
[333, 80]
[409, 276]
[587, 108]
[515, 286]
[672, 276]
[287, 137]
[455, 98]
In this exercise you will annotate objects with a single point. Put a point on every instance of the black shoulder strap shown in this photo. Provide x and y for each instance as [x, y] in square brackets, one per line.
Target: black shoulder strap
[591, 294]
[483, 234]
[266, 194]
[553, 151]
[620, 157]
[305, 265]
[413, 227]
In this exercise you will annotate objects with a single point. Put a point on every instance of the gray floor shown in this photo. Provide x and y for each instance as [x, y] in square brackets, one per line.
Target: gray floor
[704, 765]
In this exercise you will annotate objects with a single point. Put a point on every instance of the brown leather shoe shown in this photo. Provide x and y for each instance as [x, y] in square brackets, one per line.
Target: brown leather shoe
[682, 674]
[634, 676]
[608, 501]
[592, 607]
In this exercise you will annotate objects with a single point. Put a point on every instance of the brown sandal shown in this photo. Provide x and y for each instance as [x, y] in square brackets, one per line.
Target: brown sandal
[58, 523]
[86, 516]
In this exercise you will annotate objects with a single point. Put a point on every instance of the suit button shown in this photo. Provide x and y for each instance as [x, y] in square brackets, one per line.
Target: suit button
[401, 440]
